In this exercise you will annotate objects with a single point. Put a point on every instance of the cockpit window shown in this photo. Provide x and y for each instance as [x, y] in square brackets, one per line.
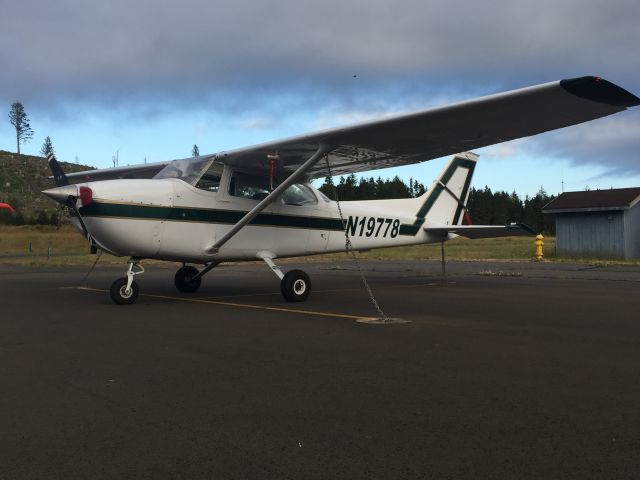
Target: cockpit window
[299, 194]
[188, 170]
[254, 187]
[210, 181]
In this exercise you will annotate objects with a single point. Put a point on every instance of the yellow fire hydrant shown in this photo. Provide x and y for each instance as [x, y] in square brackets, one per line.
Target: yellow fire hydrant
[539, 245]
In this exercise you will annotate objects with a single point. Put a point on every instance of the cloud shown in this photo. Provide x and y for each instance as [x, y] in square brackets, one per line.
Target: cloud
[611, 143]
[134, 48]
[266, 58]
[257, 123]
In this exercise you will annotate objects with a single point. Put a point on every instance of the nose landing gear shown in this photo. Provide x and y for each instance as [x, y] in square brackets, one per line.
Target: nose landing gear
[124, 291]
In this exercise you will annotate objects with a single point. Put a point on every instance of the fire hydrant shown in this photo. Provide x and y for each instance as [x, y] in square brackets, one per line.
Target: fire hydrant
[539, 245]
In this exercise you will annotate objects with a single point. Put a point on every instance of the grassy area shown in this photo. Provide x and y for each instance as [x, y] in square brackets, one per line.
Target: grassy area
[68, 247]
[507, 248]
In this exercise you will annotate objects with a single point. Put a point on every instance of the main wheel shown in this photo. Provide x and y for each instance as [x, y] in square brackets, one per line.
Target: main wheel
[119, 293]
[184, 279]
[295, 286]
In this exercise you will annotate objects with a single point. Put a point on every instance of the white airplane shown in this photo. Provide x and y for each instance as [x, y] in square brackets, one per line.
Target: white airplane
[257, 202]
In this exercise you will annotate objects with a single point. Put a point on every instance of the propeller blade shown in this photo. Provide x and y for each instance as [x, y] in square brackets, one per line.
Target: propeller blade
[71, 203]
[66, 196]
[58, 174]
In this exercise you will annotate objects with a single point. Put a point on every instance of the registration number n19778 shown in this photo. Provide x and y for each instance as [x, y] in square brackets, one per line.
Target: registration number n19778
[373, 227]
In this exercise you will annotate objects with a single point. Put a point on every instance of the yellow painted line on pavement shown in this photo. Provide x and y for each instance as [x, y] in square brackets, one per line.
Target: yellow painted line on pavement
[247, 305]
[333, 290]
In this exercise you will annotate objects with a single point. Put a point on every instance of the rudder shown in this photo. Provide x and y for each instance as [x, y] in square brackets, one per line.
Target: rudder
[445, 202]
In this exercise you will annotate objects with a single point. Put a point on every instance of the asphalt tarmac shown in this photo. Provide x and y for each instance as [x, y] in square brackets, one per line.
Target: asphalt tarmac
[506, 370]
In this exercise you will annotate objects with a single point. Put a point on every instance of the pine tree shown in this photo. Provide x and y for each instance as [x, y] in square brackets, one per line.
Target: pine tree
[19, 120]
[47, 148]
[42, 218]
[195, 151]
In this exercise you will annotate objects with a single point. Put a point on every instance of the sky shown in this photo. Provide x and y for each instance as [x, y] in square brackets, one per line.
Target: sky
[149, 79]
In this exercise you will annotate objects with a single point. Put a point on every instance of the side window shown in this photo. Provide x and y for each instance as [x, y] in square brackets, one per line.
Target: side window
[299, 194]
[210, 181]
[245, 185]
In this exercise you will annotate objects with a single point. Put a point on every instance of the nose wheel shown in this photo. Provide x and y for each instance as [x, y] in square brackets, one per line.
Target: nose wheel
[123, 295]
[124, 291]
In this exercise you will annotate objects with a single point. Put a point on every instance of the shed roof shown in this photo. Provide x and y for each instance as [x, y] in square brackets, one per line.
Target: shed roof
[614, 199]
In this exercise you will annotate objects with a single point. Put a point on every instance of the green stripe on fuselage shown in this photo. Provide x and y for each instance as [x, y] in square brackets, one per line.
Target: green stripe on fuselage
[178, 214]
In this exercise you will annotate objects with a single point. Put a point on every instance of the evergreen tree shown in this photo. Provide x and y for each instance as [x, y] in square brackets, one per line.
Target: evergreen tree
[47, 148]
[42, 218]
[6, 217]
[54, 218]
[18, 219]
[195, 151]
[20, 121]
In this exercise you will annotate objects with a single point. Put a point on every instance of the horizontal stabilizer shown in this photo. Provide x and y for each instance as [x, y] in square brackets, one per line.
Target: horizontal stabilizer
[483, 231]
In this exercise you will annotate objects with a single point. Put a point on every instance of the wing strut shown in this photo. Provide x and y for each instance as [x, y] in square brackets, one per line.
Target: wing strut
[323, 149]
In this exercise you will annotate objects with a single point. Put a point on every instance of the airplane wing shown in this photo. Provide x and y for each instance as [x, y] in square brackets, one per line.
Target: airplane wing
[436, 132]
[483, 231]
[423, 135]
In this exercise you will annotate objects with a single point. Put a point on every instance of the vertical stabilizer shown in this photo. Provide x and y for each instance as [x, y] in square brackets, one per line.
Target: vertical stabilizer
[445, 202]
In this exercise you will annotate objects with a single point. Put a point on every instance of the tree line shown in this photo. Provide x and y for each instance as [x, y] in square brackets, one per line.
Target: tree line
[39, 217]
[349, 188]
[499, 208]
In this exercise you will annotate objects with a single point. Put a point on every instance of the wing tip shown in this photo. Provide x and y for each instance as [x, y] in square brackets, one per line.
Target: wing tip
[600, 90]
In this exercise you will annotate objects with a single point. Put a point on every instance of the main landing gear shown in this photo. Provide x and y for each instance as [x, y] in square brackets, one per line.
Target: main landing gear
[295, 285]
[186, 279]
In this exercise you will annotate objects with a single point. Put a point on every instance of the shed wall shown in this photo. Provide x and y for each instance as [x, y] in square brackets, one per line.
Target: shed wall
[598, 234]
[632, 232]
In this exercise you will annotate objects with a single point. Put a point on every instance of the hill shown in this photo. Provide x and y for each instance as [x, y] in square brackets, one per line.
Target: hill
[22, 179]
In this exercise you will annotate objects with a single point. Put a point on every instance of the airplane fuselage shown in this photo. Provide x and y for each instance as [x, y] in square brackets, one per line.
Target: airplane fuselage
[172, 220]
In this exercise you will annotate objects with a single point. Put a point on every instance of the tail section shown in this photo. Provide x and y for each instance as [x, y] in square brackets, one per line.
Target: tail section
[445, 202]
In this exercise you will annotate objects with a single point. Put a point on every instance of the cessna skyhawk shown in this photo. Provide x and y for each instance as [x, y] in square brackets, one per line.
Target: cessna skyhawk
[257, 202]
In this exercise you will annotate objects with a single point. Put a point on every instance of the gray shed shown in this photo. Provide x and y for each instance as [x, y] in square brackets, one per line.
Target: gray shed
[598, 223]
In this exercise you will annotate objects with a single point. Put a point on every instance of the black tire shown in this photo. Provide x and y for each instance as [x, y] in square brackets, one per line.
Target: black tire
[118, 294]
[184, 279]
[295, 286]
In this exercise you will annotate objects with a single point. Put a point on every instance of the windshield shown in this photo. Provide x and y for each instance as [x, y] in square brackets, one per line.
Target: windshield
[188, 170]
[299, 194]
